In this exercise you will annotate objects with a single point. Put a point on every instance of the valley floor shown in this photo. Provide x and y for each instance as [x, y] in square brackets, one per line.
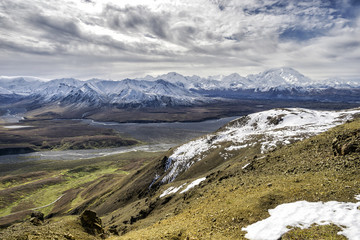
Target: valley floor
[30, 136]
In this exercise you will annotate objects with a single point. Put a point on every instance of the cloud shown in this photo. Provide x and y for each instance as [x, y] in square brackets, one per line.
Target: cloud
[56, 28]
[195, 37]
[136, 19]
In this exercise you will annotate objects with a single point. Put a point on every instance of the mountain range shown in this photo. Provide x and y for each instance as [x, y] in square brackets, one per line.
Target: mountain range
[96, 92]
[174, 89]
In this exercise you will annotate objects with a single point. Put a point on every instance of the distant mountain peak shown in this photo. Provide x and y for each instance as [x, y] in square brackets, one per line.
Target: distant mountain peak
[282, 69]
[284, 77]
[173, 74]
[280, 83]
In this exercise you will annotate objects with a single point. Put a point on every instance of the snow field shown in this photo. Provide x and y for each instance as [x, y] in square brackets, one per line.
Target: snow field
[173, 190]
[303, 214]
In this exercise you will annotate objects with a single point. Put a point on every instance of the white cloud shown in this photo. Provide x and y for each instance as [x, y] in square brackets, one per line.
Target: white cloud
[202, 37]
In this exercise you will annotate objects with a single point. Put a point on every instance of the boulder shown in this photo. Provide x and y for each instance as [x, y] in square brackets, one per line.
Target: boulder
[35, 221]
[91, 222]
[37, 218]
[346, 144]
[350, 147]
[113, 230]
[38, 215]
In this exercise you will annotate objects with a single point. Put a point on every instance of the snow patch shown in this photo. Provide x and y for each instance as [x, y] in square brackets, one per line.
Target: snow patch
[157, 176]
[193, 184]
[16, 126]
[303, 214]
[235, 148]
[245, 166]
[171, 190]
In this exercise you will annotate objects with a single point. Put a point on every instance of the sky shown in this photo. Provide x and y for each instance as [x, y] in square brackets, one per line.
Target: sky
[132, 38]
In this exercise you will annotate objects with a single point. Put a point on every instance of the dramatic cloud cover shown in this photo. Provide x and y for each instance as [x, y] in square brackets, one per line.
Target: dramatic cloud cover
[131, 38]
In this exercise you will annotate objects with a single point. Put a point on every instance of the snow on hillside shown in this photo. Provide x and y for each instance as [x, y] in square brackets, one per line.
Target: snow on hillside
[4, 91]
[193, 184]
[266, 130]
[173, 190]
[303, 214]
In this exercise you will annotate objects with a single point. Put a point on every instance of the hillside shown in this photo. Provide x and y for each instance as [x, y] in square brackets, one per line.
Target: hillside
[240, 191]
[221, 193]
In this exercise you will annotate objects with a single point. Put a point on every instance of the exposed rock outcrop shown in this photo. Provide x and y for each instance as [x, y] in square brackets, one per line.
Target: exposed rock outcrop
[91, 222]
[346, 144]
[37, 218]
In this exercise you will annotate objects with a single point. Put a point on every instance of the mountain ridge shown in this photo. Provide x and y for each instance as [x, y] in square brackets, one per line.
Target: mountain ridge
[172, 90]
[273, 78]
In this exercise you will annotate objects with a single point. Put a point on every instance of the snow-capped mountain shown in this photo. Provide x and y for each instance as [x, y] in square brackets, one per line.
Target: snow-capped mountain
[95, 92]
[56, 89]
[182, 81]
[152, 93]
[278, 78]
[281, 82]
[263, 131]
[338, 83]
[20, 85]
[173, 89]
[84, 95]
[235, 81]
